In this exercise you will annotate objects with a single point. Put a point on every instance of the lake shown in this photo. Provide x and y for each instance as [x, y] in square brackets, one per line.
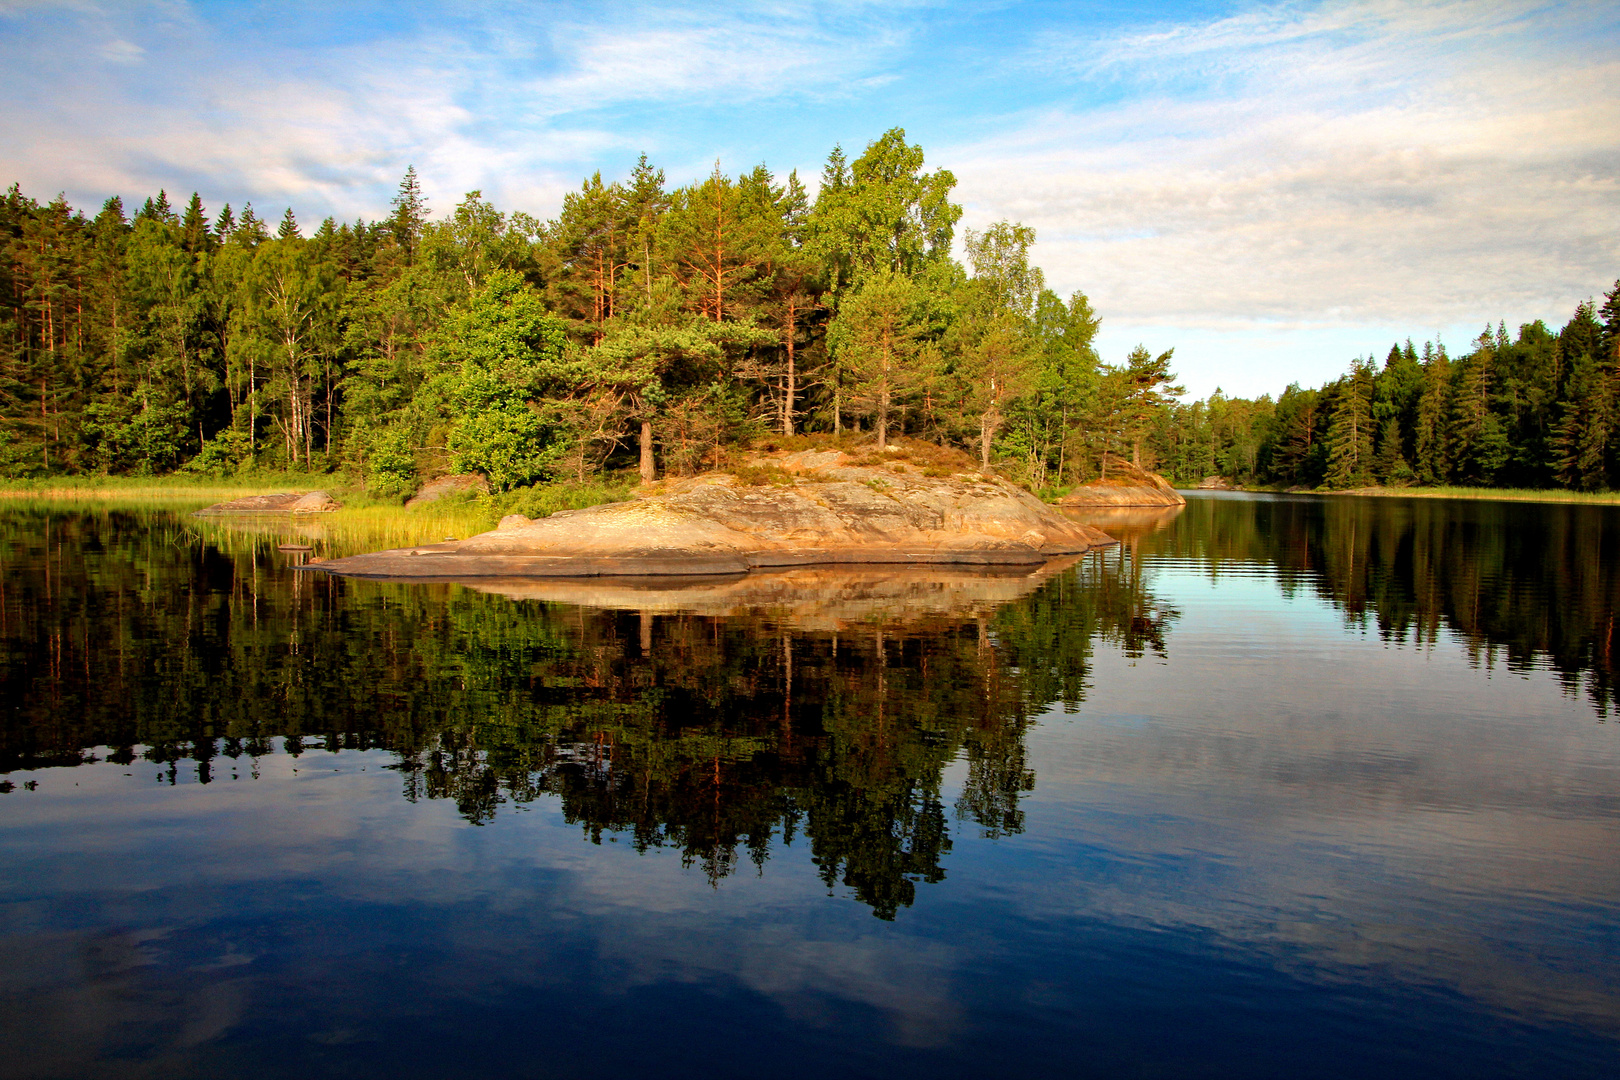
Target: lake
[1281, 786]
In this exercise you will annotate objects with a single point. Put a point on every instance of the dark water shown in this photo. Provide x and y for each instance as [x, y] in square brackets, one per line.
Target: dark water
[1282, 787]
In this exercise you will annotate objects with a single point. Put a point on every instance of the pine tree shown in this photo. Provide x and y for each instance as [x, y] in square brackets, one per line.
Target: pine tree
[715, 241]
[194, 235]
[289, 227]
[1429, 434]
[1586, 427]
[876, 341]
[1350, 430]
[410, 215]
[594, 244]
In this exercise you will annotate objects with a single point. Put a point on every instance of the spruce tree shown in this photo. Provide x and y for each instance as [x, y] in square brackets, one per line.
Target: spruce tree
[225, 225]
[289, 227]
[1582, 438]
[410, 215]
[1429, 434]
[645, 202]
[1477, 442]
[194, 236]
[1350, 429]
[250, 231]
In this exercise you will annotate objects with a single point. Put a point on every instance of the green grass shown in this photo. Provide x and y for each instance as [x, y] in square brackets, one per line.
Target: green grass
[1556, 495]
[366, 522]
[168, 489]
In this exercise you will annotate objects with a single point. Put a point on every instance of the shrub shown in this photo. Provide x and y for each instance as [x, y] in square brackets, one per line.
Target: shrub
[391, 466]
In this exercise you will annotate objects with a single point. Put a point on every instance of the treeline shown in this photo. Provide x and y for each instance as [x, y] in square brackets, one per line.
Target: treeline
[643, 328]
[652, 329]
[1538, 410]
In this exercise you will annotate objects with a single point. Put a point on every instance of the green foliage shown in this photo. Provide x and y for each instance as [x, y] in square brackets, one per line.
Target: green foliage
[651, 329]
[543, 500]
[507, 443]
[1531, 411]
[390, 464]
[227, 453]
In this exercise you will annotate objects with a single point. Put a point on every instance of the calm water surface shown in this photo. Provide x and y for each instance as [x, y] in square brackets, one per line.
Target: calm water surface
[1280, 787]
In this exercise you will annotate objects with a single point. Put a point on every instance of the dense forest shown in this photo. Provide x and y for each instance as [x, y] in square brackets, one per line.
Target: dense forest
[655, 330]
[1539, 410]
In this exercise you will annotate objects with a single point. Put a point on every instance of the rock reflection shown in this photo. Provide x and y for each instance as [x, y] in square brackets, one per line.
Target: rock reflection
[814, 707]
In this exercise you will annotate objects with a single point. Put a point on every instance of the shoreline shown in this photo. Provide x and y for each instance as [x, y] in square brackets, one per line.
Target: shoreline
[172, 489]
[1543, 495]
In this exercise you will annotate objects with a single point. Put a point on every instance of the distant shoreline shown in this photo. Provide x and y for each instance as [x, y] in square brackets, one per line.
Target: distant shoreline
[1594, 498]
[171, 488]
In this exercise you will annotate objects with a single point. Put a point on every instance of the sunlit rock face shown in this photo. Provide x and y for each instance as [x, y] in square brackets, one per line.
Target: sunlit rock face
[804, 509]
[312, 502]
[1123, 484]
[444, 486]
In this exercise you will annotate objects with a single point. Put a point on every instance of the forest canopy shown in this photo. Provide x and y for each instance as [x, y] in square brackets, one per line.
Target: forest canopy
[653, 330]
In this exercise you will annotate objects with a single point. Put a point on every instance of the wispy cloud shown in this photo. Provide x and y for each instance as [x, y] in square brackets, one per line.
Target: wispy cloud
[1279, 168]
[514, 101]
[1350, 165]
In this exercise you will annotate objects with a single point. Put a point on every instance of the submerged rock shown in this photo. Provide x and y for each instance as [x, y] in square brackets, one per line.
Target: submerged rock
[804, 509]
[312, 502]
[1126, 485]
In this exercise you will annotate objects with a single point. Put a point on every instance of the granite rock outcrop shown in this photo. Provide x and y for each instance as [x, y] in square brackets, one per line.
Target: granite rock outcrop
[1124, 484]
[812, 508]
[291, 502]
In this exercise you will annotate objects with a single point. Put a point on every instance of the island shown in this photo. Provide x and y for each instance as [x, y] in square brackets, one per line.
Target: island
[808, 508]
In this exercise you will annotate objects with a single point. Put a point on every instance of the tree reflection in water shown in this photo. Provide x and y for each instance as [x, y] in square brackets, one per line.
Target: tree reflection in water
[729, 718]
[812, 708]
[1524, 585]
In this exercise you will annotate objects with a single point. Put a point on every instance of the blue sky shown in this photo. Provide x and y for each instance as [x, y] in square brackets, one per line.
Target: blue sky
[1272, 189]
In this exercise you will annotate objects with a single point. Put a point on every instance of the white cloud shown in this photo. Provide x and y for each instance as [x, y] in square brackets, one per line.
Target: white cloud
[1292, 173]
[122, 52]
[1355, 165]
[518, 103]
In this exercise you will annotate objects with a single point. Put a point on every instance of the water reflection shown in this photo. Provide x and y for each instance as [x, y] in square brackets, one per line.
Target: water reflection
[1524, 584]
[812, 707]
[1208, 804]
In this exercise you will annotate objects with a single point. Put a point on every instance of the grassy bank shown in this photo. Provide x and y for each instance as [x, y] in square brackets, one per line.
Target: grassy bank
[166, 489]
[1596, 498]
[364, 523]
[1609, 498]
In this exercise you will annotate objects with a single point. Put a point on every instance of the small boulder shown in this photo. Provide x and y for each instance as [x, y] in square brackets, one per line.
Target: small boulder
[434, 490]
[1125, 485]
[512, 521]
[316, 502]
[289, 502]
